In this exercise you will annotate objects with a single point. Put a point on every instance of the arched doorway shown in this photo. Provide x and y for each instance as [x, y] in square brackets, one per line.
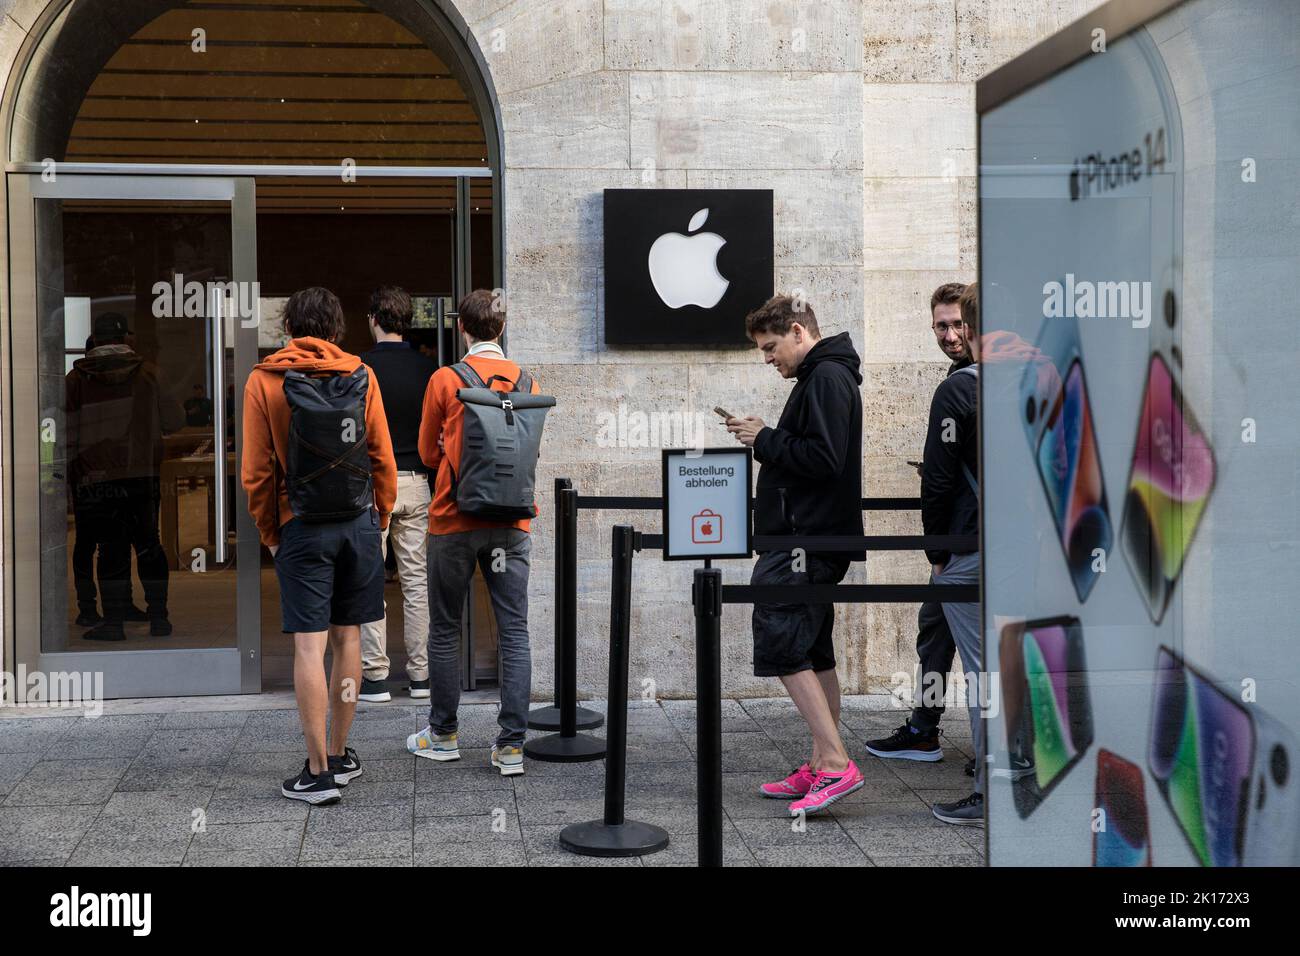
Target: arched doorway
[176, 169]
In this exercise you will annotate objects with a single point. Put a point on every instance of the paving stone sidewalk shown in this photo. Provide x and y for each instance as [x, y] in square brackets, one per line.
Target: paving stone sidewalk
[200, 788]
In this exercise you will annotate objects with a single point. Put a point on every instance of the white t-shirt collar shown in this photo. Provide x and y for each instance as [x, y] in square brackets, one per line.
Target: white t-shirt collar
[483, 348]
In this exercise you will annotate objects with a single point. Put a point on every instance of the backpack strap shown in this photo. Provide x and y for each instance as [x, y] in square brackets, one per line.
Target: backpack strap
[472, 379]
[469, 378]
[275, 481]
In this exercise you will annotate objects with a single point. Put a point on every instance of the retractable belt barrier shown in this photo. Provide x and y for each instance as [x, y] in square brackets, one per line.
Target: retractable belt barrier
[615, 836]
[566, 718]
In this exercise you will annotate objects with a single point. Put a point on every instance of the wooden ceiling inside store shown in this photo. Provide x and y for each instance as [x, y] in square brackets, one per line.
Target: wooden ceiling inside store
[310, 83]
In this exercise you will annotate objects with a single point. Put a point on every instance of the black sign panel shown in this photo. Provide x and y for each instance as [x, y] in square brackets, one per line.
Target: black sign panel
[685, 266]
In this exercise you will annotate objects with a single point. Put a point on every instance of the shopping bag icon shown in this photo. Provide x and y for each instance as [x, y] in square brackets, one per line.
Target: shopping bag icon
[706, 528]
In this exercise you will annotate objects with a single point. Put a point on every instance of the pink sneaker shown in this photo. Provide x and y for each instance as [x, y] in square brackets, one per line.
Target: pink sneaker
[827, 788]
[792, 787]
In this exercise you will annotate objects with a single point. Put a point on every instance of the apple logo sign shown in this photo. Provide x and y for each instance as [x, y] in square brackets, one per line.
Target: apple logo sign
[684, 269]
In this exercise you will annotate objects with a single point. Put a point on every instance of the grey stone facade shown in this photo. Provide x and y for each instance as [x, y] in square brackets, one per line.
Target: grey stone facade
[860, 116]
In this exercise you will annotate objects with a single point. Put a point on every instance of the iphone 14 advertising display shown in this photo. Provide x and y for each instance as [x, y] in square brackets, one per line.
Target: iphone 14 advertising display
[1122, 834]
[1224, 770]
[1170, 480]
[1059, 425]
[1047, 705]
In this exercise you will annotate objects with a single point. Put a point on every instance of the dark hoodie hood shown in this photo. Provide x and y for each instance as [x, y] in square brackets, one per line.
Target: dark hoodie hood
[838, 349]
[109, 365]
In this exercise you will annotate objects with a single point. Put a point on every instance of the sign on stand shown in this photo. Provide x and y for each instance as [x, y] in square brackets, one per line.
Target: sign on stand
[706, 503]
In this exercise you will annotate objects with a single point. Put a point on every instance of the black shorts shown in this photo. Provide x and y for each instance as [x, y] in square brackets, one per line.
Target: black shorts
[789, 638]
[330, 573]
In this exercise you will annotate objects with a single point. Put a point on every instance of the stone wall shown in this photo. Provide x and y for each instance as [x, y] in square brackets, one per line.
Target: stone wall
[860, 116]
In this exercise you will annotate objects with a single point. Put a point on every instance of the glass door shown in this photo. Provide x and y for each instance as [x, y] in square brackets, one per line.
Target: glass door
[133, 327]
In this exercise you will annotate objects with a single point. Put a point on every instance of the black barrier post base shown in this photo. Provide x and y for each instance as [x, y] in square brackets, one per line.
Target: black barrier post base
[556, 748]
[598, 838]
[614, 835]
[567, 746]
[706, 594]
[548, 718]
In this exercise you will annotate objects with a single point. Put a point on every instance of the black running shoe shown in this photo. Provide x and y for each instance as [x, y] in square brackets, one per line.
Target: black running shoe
[375, 691]
[108, 631]
[905, 743]
[135, 615]
[317, 790]
[160, 627]
[966, 812]
[89, 618]
[345, 768]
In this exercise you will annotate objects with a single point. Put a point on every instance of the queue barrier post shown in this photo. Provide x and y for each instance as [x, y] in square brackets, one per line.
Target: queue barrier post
[568, 746]
[566, 622]
[706, 595]
[614, 835]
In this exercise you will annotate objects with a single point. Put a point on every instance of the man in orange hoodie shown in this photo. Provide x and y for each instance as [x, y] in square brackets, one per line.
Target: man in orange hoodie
[329, 565]
[458, 542]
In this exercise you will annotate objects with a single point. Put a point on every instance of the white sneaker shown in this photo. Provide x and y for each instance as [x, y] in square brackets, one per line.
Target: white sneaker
[509, 760]
[434, 746]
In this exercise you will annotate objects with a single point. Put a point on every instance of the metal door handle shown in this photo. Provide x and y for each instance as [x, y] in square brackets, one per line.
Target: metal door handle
[218, 312]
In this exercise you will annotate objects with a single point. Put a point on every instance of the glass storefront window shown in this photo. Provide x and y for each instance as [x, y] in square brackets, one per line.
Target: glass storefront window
[1139, 243]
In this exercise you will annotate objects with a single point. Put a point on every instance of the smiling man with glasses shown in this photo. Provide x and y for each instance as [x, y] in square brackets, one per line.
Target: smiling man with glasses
[945, 320]
[918, 737]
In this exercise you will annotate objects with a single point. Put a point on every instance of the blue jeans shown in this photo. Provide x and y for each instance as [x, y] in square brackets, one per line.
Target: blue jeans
[503, 554]
[964, 622]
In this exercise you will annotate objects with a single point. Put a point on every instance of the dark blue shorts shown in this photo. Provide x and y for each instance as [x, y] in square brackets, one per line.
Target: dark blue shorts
[330, 573]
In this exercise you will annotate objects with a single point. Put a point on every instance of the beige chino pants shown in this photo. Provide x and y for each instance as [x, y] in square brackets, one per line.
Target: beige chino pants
[409, 529]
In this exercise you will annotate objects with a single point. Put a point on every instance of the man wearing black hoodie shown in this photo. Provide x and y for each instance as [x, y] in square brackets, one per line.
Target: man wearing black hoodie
[950, 505]
[810, 483]
[918, 737]
[117, 414]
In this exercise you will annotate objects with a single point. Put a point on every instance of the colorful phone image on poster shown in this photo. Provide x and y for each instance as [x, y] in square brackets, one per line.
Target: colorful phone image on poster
[1170, 481]
[1121, 833]
[1201, 757]
[1070, 468]
[1046, 701]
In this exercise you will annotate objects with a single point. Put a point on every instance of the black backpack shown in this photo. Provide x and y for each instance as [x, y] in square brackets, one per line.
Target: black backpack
[327, 472]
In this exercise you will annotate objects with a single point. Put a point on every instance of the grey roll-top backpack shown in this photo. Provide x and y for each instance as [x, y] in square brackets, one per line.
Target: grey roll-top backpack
[500, 444]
